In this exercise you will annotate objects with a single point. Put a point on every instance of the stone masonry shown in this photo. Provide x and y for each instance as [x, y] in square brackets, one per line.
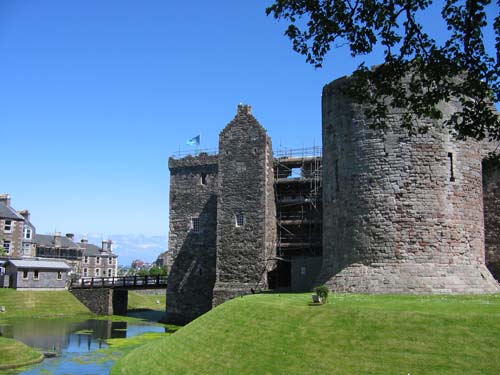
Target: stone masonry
[246, 210]
[191, 256]
[491, 198]
[401, 214]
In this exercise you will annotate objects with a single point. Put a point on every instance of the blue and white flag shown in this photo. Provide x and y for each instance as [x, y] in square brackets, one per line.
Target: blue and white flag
[195, 141]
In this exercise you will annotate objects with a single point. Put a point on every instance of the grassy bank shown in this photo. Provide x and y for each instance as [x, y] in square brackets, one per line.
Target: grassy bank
[282, 334]
[14, 354]
[39, 304]
[146, 301]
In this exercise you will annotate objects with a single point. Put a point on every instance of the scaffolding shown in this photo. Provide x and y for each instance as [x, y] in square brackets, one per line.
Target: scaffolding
[298, 188]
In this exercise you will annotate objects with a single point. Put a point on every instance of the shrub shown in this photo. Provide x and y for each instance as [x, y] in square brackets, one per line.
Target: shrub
[322, 291]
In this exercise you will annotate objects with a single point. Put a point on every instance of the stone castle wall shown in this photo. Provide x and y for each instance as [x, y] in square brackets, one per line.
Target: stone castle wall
[191, 260]
[245, 188]
[491, 196]
[400, 214]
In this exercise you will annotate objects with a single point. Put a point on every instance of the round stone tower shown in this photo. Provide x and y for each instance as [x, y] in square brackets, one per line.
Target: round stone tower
[401, 214]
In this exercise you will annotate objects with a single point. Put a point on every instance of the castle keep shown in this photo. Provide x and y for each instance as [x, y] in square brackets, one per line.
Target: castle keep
[241, 221]
[378, 212]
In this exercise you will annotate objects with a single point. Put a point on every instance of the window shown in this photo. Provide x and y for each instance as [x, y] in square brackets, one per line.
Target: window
[7, 228]
[450, 156]
[195, 224]
[26, 248]
[203, 179]
[85, 272]
[110, 272]
[240, 220]
[6, 246]
[86, 260]
[59, 275]
[27, 233]
[110, 260]
[97, 272]
[36, 275]
[25, 275]
[98, 260]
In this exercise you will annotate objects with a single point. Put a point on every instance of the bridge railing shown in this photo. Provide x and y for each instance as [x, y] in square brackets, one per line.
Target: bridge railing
[120, 281]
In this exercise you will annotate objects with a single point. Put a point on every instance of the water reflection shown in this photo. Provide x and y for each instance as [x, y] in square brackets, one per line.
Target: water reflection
[71, 340]
[51, 334]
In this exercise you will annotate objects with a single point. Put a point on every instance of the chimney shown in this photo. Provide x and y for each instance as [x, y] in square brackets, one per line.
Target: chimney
[70, 236]
[5, 198]
[25, 214]
[57, 239]
[84, 239]
[104, 245]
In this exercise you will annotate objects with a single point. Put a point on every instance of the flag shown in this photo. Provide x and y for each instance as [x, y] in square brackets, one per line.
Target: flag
[195, 141]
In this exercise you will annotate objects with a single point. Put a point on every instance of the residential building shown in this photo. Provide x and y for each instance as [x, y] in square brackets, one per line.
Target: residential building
[98, 261]
[57, 246]
[16, 231]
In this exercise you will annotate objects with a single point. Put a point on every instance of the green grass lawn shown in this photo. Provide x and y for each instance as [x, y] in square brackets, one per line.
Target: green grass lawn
[14, 353]
[353, 334]
[146, 301]
[39, 304]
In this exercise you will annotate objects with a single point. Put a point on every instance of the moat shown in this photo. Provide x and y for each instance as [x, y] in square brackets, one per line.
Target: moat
[77, 344]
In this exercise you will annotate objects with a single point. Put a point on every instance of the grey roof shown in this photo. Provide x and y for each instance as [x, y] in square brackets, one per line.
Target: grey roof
[47, 240]
[91, 250]
[7, 212]
[33, 263]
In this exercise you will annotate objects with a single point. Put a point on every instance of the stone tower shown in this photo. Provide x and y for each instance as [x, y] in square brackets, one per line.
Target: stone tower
[246, 211]
[192, 237]
[401, 214]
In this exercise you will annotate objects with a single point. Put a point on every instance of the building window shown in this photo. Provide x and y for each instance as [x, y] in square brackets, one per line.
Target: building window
[110, 272]
[6, 246]
[240, 220]
[97, 272]
[7, 227]
[85, 272]
[36, 275]
[86, 260]
[59, 275]
[195, 224]
[27, 233]
[203, 179]
[110, 260]
[25, 275]
[26, 248]
[98, 260]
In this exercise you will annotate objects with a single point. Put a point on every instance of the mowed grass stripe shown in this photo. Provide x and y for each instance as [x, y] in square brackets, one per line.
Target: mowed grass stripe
[353, 334]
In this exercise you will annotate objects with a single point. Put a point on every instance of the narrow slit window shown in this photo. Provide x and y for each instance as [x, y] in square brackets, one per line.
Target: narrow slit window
[195, 224]
[203, 179]
[240, 220]
[337, 187]
[36, 275]
[452, 176]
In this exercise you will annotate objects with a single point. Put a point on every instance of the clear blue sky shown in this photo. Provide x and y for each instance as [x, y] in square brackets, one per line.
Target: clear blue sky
[95, 95]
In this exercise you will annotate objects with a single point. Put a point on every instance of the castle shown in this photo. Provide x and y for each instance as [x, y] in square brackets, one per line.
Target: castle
[378, 212]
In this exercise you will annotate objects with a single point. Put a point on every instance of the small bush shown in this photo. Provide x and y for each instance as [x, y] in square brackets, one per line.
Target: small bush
[322, 291]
